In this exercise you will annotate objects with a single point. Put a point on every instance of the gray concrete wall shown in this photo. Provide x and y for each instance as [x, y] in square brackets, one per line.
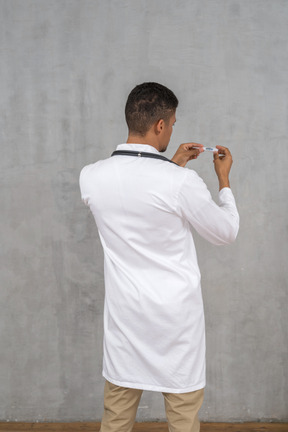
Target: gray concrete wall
[66, 69]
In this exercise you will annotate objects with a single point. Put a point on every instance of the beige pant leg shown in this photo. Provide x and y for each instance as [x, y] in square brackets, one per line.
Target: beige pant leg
[182, 410]
[120, 408]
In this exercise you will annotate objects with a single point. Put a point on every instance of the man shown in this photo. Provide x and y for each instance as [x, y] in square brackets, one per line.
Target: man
[144, 206]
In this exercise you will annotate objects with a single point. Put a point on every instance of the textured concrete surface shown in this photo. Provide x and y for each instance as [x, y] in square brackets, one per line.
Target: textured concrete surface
[66, 70]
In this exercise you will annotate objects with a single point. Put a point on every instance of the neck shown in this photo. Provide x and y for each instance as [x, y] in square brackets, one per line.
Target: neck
[146, 139]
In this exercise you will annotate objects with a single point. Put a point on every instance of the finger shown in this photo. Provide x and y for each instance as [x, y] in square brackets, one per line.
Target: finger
[190, 146]
[223, 150]
[199, 147]
[192, 154]
[193, 151]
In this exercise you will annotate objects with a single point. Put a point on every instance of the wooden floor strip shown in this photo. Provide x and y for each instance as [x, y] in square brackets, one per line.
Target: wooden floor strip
[140, 427]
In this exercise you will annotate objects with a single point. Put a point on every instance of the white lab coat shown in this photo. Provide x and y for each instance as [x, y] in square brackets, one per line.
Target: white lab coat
[154, 332]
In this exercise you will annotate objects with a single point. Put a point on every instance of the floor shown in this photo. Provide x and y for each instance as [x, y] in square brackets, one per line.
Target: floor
[140, 427]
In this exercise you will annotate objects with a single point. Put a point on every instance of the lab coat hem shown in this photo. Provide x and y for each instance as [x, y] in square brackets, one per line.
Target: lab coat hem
[150, 387]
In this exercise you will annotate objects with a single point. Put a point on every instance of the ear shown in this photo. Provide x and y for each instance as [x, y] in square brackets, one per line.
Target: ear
[159, 126]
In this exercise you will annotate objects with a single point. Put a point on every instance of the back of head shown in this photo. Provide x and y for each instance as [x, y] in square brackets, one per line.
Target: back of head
[146, 104]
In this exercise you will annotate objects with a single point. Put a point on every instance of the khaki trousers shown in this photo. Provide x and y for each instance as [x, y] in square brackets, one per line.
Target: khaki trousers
[121, 403]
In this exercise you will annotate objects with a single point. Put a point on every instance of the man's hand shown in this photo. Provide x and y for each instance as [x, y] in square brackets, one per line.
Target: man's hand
[222, 164]
[187, 152]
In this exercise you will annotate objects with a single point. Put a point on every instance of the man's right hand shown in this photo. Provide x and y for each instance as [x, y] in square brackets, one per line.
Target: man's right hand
[187, 152]
[222, 164]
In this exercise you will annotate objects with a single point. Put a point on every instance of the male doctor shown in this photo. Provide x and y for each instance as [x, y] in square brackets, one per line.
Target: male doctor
[145, 207]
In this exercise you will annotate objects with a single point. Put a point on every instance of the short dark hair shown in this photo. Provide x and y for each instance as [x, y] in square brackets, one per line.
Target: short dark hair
[146, 104]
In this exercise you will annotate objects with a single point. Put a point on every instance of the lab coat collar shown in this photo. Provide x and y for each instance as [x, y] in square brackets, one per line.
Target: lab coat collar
[138, 147]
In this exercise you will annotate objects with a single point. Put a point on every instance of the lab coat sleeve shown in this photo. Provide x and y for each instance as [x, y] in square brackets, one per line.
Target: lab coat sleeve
[84, 185]
[219, 224]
